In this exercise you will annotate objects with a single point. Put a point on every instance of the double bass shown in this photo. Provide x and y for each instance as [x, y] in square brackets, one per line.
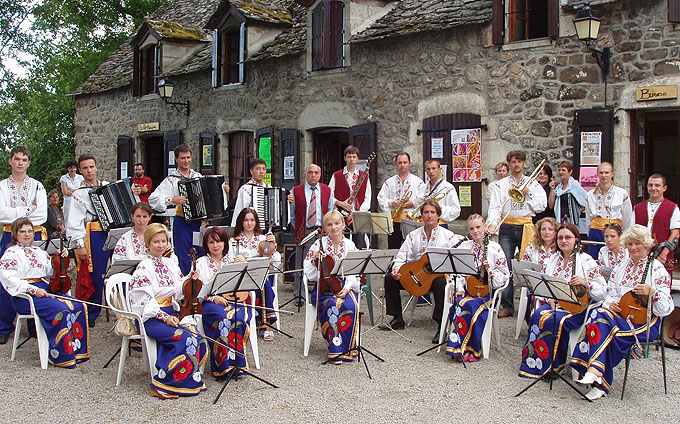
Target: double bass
[60, 282]
[191, 305]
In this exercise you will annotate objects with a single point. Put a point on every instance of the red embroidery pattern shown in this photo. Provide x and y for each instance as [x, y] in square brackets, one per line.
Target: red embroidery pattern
[138, 244]
[244, 243]
[162, 272]
[139, 282]
[33, 260]
[425, 243]
[18, 194]
[603, 204]
[8, 264]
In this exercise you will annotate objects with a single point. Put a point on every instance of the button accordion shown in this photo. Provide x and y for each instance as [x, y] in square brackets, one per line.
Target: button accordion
[205, 197]
[272, 207]
[113, 202]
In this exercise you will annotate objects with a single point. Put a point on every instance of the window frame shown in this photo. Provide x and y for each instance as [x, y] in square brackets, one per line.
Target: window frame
[147, 67]
[504, 26]
[220, 66]
[327, 32]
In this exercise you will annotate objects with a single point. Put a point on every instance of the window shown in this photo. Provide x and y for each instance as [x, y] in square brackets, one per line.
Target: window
[523, 20]
[147, 62]
[229, 51]
[241, 152]
[328, 18]
[674, 11]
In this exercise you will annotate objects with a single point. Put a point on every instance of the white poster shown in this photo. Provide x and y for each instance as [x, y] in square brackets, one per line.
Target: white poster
[591, 144]
[171, 158]
[123, 169]
[288, 167]
[437, 148]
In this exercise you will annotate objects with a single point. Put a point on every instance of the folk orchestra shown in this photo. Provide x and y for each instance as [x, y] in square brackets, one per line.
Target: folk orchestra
[536, 219]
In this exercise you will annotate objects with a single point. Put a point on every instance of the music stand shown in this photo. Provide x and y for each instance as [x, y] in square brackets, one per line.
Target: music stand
[407, 226]
[232, 278]
[125, 266]
[113, 236]
[557, 289]
[372, 222]
[51, 246]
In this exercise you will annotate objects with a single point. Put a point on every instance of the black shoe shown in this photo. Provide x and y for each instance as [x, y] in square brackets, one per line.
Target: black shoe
[3, 338]
[397, 323]
[90, 323]
[435, 339]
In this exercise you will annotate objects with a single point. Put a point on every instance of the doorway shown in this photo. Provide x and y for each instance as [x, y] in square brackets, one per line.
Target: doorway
[153, 159]
[329, 145]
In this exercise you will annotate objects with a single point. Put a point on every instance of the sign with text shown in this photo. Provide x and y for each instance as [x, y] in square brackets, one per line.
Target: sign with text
[149, 126]
[656, 92]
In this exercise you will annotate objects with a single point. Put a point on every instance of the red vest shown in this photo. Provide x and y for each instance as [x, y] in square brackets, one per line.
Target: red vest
[343, 191]
[661, 227]
[301, 213]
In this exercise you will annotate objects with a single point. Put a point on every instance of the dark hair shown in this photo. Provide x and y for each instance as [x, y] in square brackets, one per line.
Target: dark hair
[16, 226]
[19, 149]
[70, 164]
[182, 148]
[143, 206]
[351, 150]
[573, 230]
[84, 157]
[657, 176]
[257, 161]
[139, 164]
[396, 157]
[517, 154]
[238, 228]
[548, 170]
[433, 160]
[613, 226]
[55, 191]
[216, 234]
[434, 203]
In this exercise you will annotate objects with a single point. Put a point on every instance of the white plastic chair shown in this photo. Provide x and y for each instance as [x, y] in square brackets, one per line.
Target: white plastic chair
[575, 336]
[310, 316]
[43, 343]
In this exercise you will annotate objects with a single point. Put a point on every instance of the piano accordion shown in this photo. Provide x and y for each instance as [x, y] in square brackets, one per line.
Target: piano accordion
[112, 203]
[272, 207]
[205, 197]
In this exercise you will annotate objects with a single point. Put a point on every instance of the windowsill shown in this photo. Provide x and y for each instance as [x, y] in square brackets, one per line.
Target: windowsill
[235, 86]
[331, 71]
[526, 44]
[148, 97]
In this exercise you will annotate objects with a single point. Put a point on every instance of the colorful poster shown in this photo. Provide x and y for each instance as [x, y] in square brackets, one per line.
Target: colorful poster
[467, 155]
[588, 177]
[265, 150]
[591, 143]
[207, 155]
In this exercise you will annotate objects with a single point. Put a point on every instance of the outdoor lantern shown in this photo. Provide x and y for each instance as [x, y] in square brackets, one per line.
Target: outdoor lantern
[165, 89]
[587, 23]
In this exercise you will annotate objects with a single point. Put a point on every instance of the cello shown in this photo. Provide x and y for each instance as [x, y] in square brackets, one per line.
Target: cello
[191, 305]
[60, 282]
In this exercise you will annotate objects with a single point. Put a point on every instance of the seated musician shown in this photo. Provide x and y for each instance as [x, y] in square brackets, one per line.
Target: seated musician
[249, 244]
[336, 312]
[413, 248]
[469, 313]
[180, 350]
[608, 334]
[612, 253]
[131, 244]
[22, 270]
[541, 248]
[583, 273]
[222, 320]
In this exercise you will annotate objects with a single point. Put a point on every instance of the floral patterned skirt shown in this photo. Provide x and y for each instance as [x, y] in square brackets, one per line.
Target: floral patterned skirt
[468, 317]
[65, 323]
[338, 323]
[179, 356]
[606, 342]
[267, 293]
[229, 325]
[539, 349]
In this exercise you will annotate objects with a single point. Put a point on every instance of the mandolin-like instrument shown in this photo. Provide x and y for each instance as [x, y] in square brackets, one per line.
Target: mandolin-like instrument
[635, 306]
[478, 285]
[581, 293]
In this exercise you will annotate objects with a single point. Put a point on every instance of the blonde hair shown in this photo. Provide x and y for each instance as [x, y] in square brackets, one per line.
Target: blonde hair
[475, 216]
[538, 241]
[638, 233]
[152, 230]
[334, 214]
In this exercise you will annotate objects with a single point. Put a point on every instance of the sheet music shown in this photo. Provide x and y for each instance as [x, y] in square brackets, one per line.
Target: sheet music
[372, 222]
[240, 276]
[550, 287]
[126, 266]
[371, 261]
[518, 269]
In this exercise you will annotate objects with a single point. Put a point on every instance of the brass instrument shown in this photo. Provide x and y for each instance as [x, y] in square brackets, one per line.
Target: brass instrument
[439, 195]
[397, 213]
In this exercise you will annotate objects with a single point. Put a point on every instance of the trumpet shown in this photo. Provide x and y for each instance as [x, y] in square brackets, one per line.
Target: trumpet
[396, 215]
[439, 195]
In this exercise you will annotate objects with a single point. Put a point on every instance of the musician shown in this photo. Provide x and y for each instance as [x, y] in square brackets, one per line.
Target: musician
[180, 349]
[545, 180]
[142, 183]
[343, 183]
[23, 269]
[468, 314]
[85, 233]
[413, 248]
[403, 190]
[661, 216]
[55, 218]
[250, 241]
[568, 197]
[518, 229]
[608, 335]
[244, 199]
[222, 321]
[20, 196]
[69, 182]
[443, 190]
[606, 203]
[613, 253]
[131, 244]
[543, 247]
[583, 273]
[167, 195]
[309, 203]
[501, 171]
[337, 313]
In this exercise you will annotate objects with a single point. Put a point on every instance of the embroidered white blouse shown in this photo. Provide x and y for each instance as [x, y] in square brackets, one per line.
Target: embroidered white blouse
[626, 276]
[337, 253]
[20, 263]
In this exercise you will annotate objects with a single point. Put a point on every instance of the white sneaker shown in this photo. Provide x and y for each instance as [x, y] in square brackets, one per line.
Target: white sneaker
[595, 393]
[590, 378]
[269, 335]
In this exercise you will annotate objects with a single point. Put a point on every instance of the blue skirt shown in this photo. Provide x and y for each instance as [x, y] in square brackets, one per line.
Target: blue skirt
[182, 240]
[100, 259]
[338, 324]
[468, 317]
[229, 325]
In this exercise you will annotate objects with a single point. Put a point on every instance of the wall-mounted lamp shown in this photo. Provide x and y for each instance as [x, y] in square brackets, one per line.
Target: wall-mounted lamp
[587, 23]
[165, 89]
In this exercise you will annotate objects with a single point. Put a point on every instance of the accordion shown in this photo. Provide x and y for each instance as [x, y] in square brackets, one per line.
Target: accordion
[205, 197]
[272, 207]
[113, 202]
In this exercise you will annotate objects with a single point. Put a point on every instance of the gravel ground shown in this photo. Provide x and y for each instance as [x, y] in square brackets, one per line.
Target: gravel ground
[405, 388]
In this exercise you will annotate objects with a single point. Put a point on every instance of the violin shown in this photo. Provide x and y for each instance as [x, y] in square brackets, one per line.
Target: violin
[266, 248]
[191, 305]
[328, 283]
[239, 296]
[60, 282]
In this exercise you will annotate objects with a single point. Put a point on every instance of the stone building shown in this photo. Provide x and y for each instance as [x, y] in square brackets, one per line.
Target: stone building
[296, 81]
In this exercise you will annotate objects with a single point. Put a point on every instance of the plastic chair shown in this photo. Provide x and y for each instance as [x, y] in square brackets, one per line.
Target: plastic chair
[575, 336]
[310, 317]
[43, 343]
[659, 342]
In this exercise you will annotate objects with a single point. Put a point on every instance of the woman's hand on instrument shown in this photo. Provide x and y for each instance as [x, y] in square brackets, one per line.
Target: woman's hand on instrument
[551, 302]
[64, 252]
[41, 293]
[194, 275]
[578, 281]
[342, 293]
[172, 321]
[82, 254]
[219, 300]
[239, 258]
[643, 290]
[460, 293]
[615, 307]
[270, 238]
[179, 200]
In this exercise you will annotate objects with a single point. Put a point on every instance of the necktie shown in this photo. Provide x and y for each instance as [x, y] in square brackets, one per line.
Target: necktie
[311, 209]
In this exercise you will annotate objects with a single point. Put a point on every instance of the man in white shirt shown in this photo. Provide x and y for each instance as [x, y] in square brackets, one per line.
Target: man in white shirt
[441, 190]
[244, 199]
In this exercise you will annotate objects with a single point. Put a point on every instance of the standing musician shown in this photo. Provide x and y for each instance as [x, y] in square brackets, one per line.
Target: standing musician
[23, 269]
[401, 191]
[343, 183]
[55, 217]
[661, 216]
[580, 270]
[222, 320]
[131, 244]
[142, 183]
[309, 203]
[608, 335]
[246, 243]
[69, 182]
[441, 190]
[180, 352]
[612, 253]
[413, 248]
[244, 199]
[337, 312]
[86, 234]
[543, 247]
[606, 203]
[167, 195]
[568, 197]
[517, 230]
[468, 314]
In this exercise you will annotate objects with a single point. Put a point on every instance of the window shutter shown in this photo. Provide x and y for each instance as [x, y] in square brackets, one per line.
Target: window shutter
[208, 153]
[674, 11]
[170, 141]
[498, 21]
[158, 51]
[335, 37]
[136, 71]
[553, 18]
[241, 51]
[289, 153]
[364, 137]
[125, 156]
[215, 58]
[317, 37]
[594, 120]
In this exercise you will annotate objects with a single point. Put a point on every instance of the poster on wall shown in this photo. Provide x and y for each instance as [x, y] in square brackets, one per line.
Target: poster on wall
[467, 155]
[437, 148]
[591, 146]
[588, 177]
[207, 155]
[288, 167]
[123, 169]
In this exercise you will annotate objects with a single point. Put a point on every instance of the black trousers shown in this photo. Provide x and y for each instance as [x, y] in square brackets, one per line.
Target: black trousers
[393, 296]
[394, 240]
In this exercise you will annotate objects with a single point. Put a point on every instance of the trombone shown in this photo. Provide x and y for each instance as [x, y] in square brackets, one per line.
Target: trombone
[439, 195]
[396, 214]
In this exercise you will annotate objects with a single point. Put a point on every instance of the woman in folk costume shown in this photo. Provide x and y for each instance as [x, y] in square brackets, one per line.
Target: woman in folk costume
[22, 270]
[538, 252]
[337, 313]
[583, 273]
[131, 244]
[180, 349]
[249, 242]
[469, 313]
[222, 320]
[613, 253]
[609, 335]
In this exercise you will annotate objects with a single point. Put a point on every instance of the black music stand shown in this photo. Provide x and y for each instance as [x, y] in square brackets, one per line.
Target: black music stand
[299, 299]
[114, 235]
[557, 289]
[232, 278]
